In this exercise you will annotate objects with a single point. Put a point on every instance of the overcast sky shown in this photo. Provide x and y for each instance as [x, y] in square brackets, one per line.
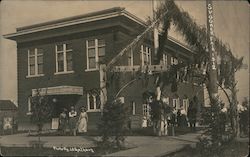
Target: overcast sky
[231, 25]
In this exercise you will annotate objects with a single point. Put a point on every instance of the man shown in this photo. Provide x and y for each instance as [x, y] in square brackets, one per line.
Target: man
[191, 114]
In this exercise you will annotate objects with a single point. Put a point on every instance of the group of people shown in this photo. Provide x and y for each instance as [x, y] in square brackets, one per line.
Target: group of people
[182, 118]
[73, 121]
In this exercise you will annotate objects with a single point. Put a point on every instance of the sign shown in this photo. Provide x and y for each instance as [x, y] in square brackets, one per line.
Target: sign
[7, 123]
[55, 123]
[211, 49]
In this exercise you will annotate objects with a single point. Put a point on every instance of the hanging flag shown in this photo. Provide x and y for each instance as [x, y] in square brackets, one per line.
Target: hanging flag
[211, 49]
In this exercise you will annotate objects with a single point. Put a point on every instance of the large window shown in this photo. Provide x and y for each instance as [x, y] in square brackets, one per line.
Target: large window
[95, 53]
[64, 58]
[35, 62]
[94, 103]
[145, 55]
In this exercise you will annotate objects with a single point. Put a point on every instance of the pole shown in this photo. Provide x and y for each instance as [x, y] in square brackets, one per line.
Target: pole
[213, 88]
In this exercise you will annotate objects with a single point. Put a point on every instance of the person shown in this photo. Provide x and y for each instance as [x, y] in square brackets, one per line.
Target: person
[223, 118]
[83, 121]
[191, 114]
[178, 117]
[63, 120]
[72, 120]
[144, 122]
[183, 117]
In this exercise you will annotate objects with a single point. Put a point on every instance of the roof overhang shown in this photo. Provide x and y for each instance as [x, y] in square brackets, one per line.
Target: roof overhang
[58, 90]
[50, 26]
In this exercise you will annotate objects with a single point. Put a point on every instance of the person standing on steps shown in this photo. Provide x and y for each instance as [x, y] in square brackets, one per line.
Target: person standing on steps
[83, 121]
[72, 120]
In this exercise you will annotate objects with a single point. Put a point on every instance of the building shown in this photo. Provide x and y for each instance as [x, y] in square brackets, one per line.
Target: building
[8, 116]
[65, 58]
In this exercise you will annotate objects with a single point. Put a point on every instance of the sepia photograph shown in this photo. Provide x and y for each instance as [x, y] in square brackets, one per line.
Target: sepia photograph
[124, 78]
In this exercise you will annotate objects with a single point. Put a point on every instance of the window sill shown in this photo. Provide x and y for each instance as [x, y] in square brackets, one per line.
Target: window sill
[64, 72]
[94, 110]
[88, 70]
[30, 76]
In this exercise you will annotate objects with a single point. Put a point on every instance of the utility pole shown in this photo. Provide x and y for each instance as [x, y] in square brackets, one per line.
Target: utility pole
[213, 88]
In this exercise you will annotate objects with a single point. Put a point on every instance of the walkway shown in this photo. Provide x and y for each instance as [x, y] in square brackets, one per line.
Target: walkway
[139, 145]
[158, 146]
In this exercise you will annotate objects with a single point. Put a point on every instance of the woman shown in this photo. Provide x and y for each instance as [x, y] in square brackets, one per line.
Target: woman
[63, 120]
[72, 120]
[191, 114]
[82, 121]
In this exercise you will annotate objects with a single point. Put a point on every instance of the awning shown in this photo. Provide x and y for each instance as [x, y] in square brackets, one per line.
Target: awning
[59, 90]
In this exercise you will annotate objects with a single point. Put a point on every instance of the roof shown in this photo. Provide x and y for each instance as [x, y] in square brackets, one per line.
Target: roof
[80, 19]
[7, 105]
[89, 17]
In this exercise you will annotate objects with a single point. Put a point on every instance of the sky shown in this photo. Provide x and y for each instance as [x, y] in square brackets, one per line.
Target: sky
[231, 26]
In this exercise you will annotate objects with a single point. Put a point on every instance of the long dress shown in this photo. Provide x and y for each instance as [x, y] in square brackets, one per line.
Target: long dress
[83, 119]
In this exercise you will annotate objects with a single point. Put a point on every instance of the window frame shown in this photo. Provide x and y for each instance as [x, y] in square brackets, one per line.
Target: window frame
[95, 104]
[148, 53]
[164, 59]
[147, 108]
[174, 61]
[177, 104]
[186, 100]
[65, 64]
[96, 48]
[36, 55]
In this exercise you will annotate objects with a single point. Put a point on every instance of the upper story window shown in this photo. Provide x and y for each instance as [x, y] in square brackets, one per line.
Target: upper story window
[145, 55]
[174, 61]
[35, 62]
[95, 53]
[64, 58]
[165, 59]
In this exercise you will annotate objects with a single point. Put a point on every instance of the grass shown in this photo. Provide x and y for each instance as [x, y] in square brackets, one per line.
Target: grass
[232, 149]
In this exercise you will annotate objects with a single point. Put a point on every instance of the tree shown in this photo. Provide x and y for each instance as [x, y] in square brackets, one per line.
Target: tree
[114, 125]
[41, 110]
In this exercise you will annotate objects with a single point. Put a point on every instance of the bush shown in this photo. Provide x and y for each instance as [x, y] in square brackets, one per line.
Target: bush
[113, 126]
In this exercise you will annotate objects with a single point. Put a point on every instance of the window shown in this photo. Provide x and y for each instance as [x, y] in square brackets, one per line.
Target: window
[94, 103]
[95, 53]
[133, 105]
[146, 110]
[185, 104]
[176, 103]
[145, 55]
[64, 58]
[174, 61]
[35, 62]
[165, 59]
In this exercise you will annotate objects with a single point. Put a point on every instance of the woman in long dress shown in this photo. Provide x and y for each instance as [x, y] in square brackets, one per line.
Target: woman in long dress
[82, 122]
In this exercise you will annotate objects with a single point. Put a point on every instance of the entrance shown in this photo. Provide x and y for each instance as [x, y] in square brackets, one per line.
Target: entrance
[62, 101]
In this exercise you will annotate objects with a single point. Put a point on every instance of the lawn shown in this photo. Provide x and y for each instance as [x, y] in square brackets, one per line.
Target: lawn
[232, 149]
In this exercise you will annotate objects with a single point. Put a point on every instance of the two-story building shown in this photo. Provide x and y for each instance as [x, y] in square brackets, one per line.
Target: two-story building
[64, 60]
